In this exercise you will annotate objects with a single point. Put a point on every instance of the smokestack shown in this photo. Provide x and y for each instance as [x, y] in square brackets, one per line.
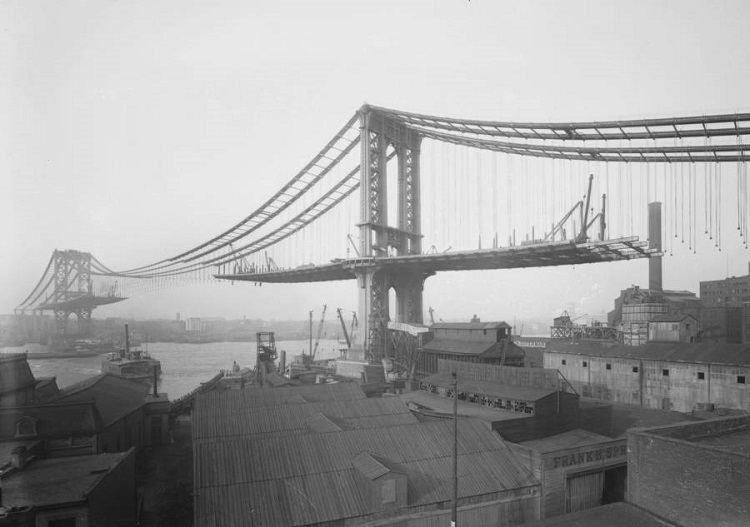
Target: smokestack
[156, 393]
[127, 339]
[654, 242]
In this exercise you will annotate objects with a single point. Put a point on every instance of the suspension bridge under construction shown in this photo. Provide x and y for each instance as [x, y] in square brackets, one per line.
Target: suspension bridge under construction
[395, 197]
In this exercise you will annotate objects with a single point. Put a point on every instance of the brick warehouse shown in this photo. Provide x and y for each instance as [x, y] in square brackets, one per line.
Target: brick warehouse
[668, 376]
[688, 474]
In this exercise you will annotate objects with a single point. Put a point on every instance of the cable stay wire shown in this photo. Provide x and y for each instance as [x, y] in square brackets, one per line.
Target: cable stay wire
[302, 182]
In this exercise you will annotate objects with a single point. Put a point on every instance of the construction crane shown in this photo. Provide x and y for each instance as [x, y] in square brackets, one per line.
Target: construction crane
[348, 335]
[320, 332]
[432, 316]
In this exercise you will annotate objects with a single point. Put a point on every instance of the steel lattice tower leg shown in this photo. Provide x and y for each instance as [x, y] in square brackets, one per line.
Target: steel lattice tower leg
[377, 238]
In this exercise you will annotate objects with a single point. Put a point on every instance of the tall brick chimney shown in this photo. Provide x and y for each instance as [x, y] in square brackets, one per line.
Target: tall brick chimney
[654, 242]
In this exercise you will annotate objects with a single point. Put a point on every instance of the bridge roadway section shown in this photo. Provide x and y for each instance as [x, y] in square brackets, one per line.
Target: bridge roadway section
[543, 254]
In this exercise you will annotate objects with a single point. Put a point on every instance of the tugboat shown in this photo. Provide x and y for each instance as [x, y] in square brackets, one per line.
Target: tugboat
[134, 364]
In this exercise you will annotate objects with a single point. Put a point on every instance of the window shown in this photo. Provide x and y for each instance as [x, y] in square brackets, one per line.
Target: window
[665, 373]
[564, 362]
[635, 369]
[740, 379]
[70, 521]
[609, 366]
[25, 427]
[389, 491]
[701, 375]
[585, 364]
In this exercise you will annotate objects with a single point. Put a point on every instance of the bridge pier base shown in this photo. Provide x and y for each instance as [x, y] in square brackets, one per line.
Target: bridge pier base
[83, 316]
[375, 286]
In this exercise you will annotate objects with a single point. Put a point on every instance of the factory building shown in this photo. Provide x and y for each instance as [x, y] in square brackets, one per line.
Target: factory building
[472, 342]
[723, 312]
[668, 376]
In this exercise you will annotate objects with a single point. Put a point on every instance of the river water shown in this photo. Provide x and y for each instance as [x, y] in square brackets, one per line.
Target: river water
[184, 366]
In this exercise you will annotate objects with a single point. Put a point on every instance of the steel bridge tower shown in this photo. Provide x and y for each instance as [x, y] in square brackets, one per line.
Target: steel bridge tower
[381, 139]
[72, 280]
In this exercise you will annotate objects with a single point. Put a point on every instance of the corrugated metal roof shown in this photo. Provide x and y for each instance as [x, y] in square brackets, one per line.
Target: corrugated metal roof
[45, 482]
[470, 325]
[487, 350]
[570, 439]
[323, 423]
[252, 396]
[212, 419]
[702, 353]
[114, 396]
[463, 347]
[372, 466]
[306, 479]
[494, 389]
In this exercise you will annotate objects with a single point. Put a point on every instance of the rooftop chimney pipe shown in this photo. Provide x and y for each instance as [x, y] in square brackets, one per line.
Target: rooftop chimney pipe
[654, 242]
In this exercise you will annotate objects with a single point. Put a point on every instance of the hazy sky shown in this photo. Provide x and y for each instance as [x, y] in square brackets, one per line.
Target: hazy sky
[137, 129]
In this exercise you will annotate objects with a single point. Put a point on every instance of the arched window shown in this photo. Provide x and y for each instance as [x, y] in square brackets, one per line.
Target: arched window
[26, 427]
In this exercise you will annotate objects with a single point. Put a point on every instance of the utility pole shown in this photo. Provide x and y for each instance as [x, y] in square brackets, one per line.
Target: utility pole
[311, 314]
[455, 451]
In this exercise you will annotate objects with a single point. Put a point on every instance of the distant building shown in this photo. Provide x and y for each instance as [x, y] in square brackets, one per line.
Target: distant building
[635, 308]
[193, 324]
[722, 309]
[727, 292]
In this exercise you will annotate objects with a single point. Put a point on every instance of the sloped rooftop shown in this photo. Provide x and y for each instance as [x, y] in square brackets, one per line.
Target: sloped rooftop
[308, 479]
[114, 396]
[47, 482]
[215, 420]
[232, 401]
[701, 353]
